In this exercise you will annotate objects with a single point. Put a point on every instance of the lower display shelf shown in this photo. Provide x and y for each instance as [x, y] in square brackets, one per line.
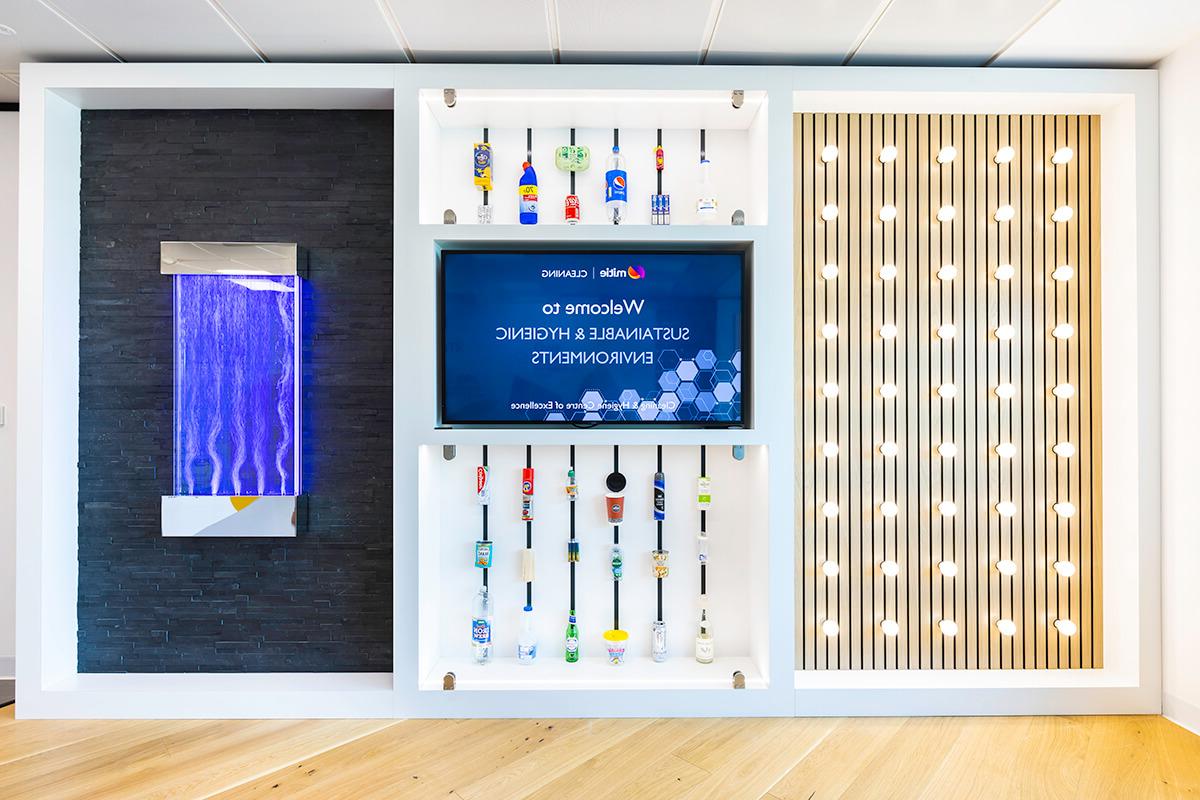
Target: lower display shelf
[681, 673]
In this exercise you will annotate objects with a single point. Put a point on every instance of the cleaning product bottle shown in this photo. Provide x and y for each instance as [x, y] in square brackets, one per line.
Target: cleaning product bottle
[706, 203]
[526, 639]
[528, 193]
[572, 651]
[616, 189]
[481, 627]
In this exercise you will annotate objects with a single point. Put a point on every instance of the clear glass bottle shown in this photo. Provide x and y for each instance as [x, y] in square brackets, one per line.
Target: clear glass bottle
[704, 639]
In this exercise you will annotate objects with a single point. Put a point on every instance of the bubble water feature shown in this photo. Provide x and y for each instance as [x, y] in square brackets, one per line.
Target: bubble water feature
[237, 340]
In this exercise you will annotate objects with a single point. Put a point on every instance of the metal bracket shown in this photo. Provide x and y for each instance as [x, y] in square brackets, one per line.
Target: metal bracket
[737, 97]
[739, 680]
[449, 451]
[448, 681]
[738, 217]
[739, 452]
[450, 97]
[449, 217]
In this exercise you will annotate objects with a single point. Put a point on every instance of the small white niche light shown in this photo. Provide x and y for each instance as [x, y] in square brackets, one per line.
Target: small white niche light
[830, 569]
[1063, 273]
[829, 330]
[1005, 272]
[829, 152]
[1006, 449]
[887, 213]
[948, 569]
[829, 509]
[1005, 213]
[1006, 566]
[889, 509]
[887, 154]
[945, 214]
[946, 154]
[889, 627]
[1065, 569]
[948, 627]
[830, 628]
[887, 272]
[947, 391]
[1064, 449]
[1066, 627]
[1063, 331]
[889, 568]
[829, 449]
[887, 331]
[889, 449]
[1004, 155]
[1006, 391]
[829, 271]
[887, 391]
[830, 390]
[1062, 155]
[1006, 627]
[1005, 332]
[947, 449]
[947, 508]
[1064, 509]
[829, 212]
[948, 272]
[945, 331]
[1063, 214]
[1063, 391]
[1006, 509]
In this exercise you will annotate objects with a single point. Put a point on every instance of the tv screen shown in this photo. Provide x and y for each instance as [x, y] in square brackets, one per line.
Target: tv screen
[579, 337]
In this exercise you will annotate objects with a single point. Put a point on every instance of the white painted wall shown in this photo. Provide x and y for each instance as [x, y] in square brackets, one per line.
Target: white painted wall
[8, 389]
[1180, 175]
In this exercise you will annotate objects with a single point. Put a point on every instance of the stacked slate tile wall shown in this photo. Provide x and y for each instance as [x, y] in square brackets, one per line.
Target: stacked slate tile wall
[321, 602]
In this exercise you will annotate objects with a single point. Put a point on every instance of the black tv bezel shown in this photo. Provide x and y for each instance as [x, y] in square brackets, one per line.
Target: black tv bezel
[745, 249]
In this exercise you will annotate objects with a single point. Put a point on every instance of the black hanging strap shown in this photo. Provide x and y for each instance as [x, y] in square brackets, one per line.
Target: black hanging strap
[485, 202]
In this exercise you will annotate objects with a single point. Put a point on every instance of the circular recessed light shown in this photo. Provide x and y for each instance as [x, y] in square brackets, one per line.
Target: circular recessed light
[1006, 566]
[889, 449]
[1006, 508]
[829, 271]
[1005, 213]
[887, 213]
[946, 154]
[890, 627]
[948, 272]
[947, 391]
[888, 508]
[887, 154]
[829, 212]
[889, 568]
[1005, 154]
[1005, 272]
[829, 152]
[887, 272]
[1006, 626]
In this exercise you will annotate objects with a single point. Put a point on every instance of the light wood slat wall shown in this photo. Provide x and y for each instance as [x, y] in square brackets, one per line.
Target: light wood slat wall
[859, 597]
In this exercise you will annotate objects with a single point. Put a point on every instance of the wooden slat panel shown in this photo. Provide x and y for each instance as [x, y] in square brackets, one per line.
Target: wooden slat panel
[975, 361]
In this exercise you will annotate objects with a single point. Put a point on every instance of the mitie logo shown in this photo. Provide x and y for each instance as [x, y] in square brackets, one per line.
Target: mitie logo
[633, 271]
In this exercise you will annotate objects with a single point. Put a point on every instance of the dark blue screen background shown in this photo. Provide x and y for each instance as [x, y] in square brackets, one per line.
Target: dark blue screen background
[675, 375]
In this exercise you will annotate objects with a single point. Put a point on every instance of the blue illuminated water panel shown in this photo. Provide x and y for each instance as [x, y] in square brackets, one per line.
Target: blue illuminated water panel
[237, 340]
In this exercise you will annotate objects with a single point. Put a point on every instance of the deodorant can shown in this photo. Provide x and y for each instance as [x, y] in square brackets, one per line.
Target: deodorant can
[660, 497]
[527, 494]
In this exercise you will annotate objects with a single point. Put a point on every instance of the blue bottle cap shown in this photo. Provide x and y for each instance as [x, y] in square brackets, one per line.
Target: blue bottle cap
[616, 149]
[570, 618]
[529, 608]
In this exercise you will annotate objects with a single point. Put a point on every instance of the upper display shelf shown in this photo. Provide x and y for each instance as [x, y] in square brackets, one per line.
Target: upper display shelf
[682, 158]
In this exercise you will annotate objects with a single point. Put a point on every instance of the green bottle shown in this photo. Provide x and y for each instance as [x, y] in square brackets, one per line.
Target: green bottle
[572, 639]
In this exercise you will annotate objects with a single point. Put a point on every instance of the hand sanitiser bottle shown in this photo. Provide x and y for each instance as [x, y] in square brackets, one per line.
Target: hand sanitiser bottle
[706, 202]
[528, 193]
[527, 638]
[616, 188]
[481, 627]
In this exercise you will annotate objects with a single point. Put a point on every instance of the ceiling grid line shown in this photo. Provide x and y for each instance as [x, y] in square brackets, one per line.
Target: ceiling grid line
[393, 25]
[884, 6]
[553, 30]
[238, 30]
[710, 29]
[1016, 37]
[82, 31]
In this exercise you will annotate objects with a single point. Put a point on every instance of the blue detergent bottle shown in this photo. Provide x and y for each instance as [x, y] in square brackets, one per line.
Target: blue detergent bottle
[527, 190]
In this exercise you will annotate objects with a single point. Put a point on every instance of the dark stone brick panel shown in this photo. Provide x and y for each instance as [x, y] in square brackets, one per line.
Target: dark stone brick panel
[323, 601]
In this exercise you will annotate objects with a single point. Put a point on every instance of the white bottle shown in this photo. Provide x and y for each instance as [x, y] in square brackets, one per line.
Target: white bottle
[481, 627]
[526, 639]
[704, 640]
[706, 203]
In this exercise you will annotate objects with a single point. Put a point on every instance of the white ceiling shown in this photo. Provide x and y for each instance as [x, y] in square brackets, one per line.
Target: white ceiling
[857, 32]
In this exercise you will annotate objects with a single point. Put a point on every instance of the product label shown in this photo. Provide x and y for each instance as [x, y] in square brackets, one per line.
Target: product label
[703, 493]
[526, 652]
[529, 199]
[481, 631]
[571, 209]
[706, 205]
[615, 185]
[704, 649]
[572, 644]
[483, 488]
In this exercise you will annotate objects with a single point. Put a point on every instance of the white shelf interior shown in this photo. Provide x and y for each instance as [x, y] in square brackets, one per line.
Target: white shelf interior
[736, 583]
[735, 144]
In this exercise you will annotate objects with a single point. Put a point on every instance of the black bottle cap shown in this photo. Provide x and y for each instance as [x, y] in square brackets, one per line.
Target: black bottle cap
[615, 482]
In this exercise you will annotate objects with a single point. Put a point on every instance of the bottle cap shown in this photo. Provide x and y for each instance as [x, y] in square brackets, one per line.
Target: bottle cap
[615, 482]
[616, 149]
[524, 165]
[529, 608]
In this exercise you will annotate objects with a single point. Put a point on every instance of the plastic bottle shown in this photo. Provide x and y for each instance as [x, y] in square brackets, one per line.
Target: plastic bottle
[572, 651]
[481, 627]
[526, 639]
[616, 188]
[706, 202]
[527, 190]
[704, 640]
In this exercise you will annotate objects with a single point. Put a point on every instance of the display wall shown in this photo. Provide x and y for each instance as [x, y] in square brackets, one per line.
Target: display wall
[947, 309]
[320, 602]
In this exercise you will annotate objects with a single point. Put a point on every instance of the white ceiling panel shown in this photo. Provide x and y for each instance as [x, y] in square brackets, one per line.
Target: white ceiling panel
[317, 30]
[945, 32]
[10, 89]
[1106, 32]
[663, 31]
[789, 31]
[160, 30]
[475, 30]
[40, 36]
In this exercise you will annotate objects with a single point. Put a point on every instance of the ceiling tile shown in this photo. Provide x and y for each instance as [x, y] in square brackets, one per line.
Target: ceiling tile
[317, 30]
[160, 30]
[945, 32]
[41, 36]
[475, 30]
[789, 31]
[665, 31]
[1106, 33]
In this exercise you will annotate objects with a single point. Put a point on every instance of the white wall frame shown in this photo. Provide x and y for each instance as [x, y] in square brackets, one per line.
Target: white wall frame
[52, 96]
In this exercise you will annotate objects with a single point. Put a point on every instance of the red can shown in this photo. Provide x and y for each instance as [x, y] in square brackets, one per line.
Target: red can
[571, 209]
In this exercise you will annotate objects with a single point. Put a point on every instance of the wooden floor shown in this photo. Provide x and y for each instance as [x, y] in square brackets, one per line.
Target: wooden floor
[777, 759]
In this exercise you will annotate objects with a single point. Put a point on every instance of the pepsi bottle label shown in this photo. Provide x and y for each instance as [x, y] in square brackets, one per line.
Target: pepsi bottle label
[615, 185]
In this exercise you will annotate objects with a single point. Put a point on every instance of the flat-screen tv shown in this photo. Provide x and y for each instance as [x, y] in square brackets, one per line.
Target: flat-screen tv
[594, 337]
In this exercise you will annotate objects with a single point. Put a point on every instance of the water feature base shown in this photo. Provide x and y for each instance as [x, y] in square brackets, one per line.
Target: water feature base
[223, 515]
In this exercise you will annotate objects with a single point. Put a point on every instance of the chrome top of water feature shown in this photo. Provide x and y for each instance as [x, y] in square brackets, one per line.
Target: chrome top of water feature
[227, 258]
